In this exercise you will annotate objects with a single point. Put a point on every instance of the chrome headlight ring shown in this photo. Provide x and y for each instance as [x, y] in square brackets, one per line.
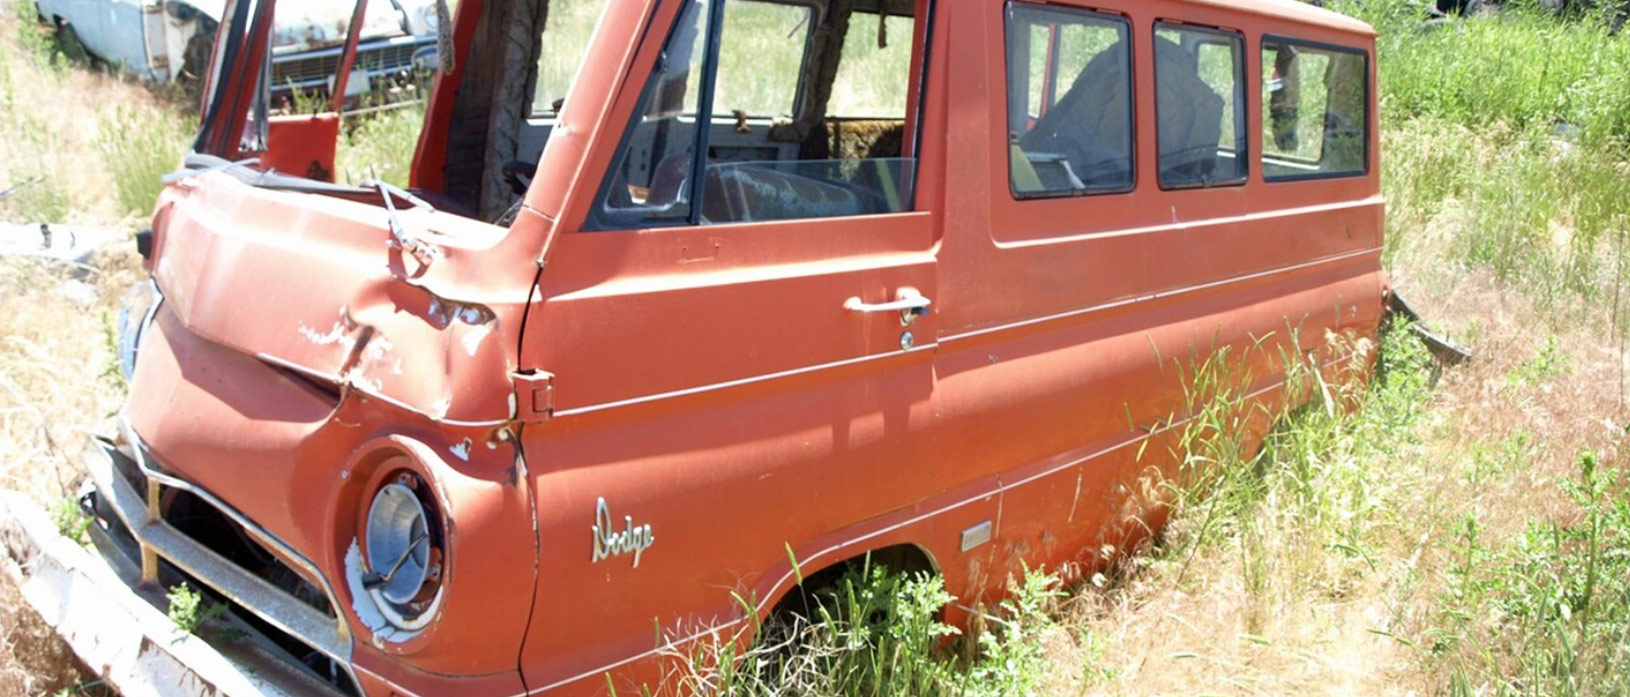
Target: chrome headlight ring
[403, 552]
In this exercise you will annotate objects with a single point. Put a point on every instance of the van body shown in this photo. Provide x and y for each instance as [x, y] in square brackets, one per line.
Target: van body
[553, 413]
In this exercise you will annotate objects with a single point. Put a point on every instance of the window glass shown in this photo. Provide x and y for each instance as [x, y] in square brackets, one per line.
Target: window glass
[1314, 102]
[751, 173]
[1069, 101]
[650, 178]
[566, 34]
[761, 56]
[1199, 106]
[875, 68]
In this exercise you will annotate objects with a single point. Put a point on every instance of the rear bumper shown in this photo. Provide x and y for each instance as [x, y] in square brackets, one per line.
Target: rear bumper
[114, 617]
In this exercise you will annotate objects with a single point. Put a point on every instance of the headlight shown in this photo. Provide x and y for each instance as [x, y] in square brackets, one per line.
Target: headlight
[428, 19]
[141, 302]
[402, 548]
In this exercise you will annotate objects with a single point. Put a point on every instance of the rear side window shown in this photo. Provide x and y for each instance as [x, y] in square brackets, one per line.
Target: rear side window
[1200, 106]
[1069, 101]
[1315, 102]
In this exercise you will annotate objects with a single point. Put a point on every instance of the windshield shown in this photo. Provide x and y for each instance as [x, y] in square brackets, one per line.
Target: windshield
[308, 24]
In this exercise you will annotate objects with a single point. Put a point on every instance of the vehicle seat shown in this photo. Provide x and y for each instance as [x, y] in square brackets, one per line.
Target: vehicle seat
[1190, 118]
[1088, 127]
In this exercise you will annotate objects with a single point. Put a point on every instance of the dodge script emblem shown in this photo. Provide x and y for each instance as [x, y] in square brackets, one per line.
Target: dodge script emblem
[609, 543]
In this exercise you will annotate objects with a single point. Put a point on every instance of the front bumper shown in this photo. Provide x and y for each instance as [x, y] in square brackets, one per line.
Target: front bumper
[109, 603]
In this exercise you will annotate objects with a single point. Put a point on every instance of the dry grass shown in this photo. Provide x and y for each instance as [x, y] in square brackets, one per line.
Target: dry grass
[58, 123]
[57, 383]
[1214, 634]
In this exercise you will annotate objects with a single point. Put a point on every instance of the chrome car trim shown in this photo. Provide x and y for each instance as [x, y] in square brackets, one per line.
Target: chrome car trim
[1160, 295]
[701, 389]
[1000, 488]
[610, 542]
[330, 636]
[1124, 302]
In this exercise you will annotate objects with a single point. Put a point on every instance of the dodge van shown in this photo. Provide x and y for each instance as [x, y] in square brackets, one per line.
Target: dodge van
[688, 301]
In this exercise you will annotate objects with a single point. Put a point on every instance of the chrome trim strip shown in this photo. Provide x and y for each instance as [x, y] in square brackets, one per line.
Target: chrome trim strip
[1148, 297]
[1177, 225]
[740, 382]
[672, 644]
[1159, 295]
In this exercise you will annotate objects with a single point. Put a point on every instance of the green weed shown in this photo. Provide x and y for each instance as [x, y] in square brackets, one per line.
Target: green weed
[189, 610]
[1549, 612]
[1308, 512]
[140, 146]
[70, 520]
[876, 632]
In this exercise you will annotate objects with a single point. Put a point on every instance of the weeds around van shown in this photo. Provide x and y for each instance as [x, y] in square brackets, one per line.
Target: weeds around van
[880, 632]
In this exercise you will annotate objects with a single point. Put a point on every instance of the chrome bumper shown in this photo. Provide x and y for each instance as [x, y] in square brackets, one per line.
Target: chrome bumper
[109, 603]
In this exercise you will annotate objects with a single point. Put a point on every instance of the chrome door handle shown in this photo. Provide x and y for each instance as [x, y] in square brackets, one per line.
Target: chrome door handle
[910, 304]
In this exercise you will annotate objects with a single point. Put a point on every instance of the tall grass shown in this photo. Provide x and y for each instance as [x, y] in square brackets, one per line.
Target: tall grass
[139, 145]
[380, 146]
[877, 632]
[1547, 613]
[1506, 141]
[1523, 69]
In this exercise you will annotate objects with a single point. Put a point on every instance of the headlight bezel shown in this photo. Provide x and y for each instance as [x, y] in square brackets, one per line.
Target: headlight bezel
[408, 603]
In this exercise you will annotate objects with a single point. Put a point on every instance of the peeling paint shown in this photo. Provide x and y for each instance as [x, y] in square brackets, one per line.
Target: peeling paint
[361, 604]
[335, 336]
[461, 450]
[473, 338]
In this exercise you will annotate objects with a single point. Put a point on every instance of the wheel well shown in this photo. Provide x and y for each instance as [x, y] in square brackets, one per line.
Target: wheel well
[904, 558]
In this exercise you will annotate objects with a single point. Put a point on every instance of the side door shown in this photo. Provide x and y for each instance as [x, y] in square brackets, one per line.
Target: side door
[739, 353]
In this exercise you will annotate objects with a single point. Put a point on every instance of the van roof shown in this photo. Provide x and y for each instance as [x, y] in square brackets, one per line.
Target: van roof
[1297, 11]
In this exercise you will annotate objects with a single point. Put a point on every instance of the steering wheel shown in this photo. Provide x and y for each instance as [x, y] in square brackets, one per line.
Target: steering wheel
[515, 171]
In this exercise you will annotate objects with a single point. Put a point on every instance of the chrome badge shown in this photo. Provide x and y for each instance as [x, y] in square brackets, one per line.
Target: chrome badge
[609, 543]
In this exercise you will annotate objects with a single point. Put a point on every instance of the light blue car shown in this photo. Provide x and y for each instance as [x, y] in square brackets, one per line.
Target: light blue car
[170, 40]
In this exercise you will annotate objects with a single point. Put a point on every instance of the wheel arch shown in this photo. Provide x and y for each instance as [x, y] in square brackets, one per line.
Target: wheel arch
[810, 580]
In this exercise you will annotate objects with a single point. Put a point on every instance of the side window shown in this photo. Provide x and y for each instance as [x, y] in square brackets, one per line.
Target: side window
[871, 80]
[649, 181]
[566, 35]
[756, 62]
[1070, 118]
[1315, 102]
[1200, 106]
[761, 55]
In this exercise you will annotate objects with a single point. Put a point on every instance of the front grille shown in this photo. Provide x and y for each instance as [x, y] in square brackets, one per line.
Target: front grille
[318, 67]
[206, 525]
[198, 542]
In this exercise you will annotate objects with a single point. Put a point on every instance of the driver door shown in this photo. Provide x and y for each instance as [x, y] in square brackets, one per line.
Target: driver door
[741, 371]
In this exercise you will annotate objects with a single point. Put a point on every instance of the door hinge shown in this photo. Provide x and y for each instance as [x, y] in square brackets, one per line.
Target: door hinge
[534, 395]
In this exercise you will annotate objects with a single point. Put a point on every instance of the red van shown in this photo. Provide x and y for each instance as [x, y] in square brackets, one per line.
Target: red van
[766, 280]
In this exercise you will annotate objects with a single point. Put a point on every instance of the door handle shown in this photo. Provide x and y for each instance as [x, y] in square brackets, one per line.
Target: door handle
[909, 303]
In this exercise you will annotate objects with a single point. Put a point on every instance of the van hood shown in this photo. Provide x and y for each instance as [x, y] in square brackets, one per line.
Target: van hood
[307, 24]
[317, 285]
